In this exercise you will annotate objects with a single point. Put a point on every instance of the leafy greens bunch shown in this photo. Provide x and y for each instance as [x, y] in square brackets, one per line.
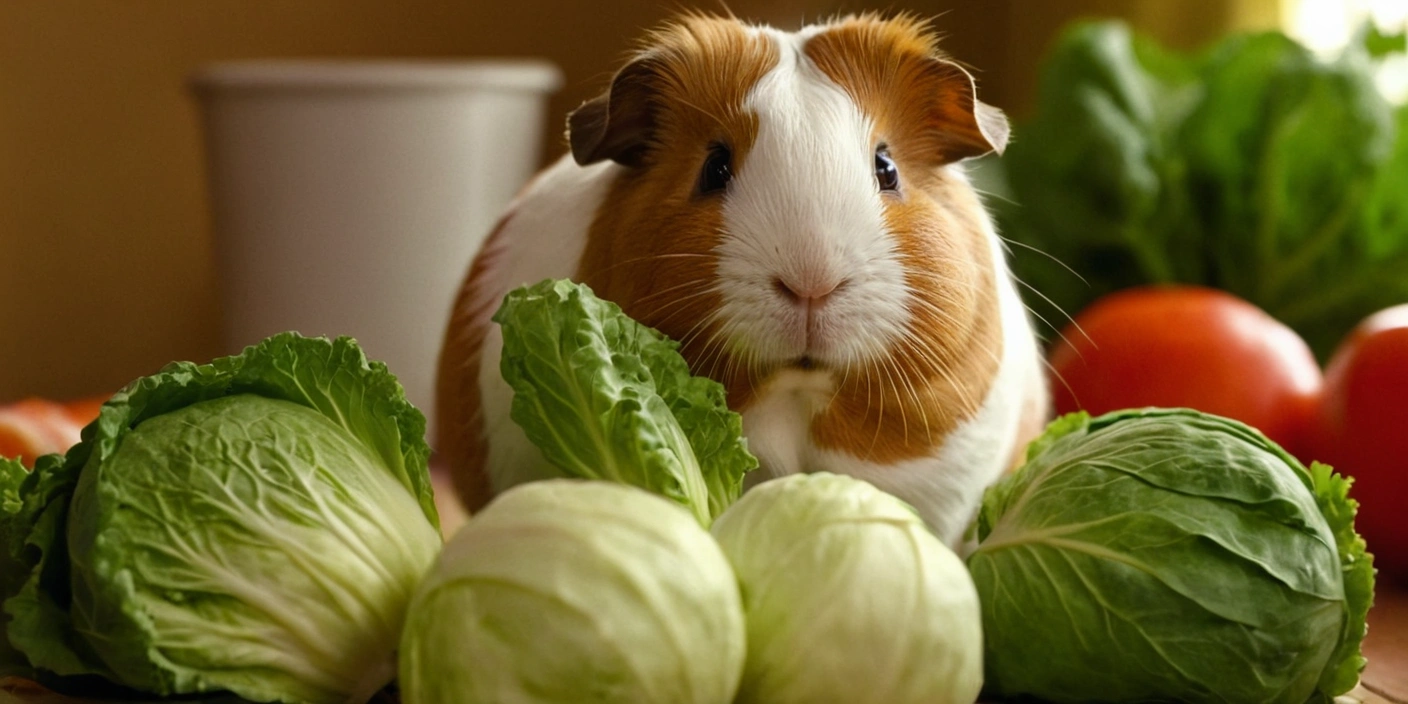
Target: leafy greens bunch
[1254, 166]
[255, 525]
[1170, 555]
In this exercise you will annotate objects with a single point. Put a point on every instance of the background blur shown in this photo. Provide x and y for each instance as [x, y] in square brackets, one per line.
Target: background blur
[105, 242]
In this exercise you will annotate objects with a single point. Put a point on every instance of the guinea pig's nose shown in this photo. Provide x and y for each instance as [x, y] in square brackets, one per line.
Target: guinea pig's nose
[811, 293]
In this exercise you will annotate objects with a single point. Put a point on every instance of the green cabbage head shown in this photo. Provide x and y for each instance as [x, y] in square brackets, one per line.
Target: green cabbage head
[254, 525]
[567, 590]
[849, 598]
[1169, 555]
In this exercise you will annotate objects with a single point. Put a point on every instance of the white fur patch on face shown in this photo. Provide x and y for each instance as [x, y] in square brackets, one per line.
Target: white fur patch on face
[804, 210]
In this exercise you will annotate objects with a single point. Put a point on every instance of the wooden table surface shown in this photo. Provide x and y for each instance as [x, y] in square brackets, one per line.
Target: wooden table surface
[1386, 646]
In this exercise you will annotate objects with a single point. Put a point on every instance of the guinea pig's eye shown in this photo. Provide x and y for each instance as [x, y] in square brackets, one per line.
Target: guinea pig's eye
[717, 171]
[886, 173]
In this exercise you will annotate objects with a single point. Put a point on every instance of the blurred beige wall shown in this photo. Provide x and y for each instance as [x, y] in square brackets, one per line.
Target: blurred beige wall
[105, 251]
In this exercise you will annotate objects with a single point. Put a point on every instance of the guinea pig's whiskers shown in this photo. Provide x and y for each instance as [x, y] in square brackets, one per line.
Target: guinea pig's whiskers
[1058, 375]
[926, 357]
[689, 337]
[677, 305]
[845, 376]
[730, 366]
[914, 393]
[658, 257]
[947, 283]
[888, 364]
[942, 314]
[1048, 255]
[936, 363]
[710, 347]
[693, 332]
[672, 289]
[864, 368]
[1061, 310]
[754, 366]
[712, 352]
[1043, 319]
[947, 317]
[993, 195]
[880, 418]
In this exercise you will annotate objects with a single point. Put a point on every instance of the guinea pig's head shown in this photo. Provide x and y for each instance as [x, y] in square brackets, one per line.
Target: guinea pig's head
[785, 200]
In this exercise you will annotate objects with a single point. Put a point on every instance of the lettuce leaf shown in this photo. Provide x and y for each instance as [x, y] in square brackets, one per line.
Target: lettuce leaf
[604, 397]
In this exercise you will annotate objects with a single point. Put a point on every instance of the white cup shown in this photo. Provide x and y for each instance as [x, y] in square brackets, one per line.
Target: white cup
[348, 197]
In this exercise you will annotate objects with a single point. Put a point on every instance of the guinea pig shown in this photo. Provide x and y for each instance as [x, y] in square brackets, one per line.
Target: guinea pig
[791, 207]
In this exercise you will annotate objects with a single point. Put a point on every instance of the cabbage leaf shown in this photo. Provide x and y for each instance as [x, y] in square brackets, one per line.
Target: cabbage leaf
[604, 397]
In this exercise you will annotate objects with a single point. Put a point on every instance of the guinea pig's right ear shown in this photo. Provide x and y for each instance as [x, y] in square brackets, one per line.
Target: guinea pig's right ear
[618, 124]
[970, 127]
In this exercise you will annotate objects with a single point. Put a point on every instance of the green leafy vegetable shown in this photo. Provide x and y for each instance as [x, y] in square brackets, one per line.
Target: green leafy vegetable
[256, 525]
[849, 597]
[1253, 167]
[570, 590]
[605, 397]
[1332, 496]
[12, 474]
[1169, 555]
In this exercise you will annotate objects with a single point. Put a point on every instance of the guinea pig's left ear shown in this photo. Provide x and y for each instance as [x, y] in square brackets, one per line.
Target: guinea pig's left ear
[967, 126]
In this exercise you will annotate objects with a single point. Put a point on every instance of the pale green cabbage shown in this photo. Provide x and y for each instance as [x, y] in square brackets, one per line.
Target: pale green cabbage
[849, 598]
[604, 397]
[1169, 555]
[576, 591]
[256, 525]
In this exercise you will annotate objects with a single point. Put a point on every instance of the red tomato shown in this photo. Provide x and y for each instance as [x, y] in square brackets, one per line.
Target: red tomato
[1363, 430]
[35, 426]
[1188, 347]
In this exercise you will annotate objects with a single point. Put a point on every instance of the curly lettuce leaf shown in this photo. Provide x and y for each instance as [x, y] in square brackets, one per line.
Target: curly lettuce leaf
[349, 393]
[604, 397]
[1332, 495]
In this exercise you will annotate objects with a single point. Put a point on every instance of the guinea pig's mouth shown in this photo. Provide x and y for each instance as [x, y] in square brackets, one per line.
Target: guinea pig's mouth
[805, 363]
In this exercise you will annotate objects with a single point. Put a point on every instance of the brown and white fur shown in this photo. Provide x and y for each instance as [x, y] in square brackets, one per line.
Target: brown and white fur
[864, 332]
